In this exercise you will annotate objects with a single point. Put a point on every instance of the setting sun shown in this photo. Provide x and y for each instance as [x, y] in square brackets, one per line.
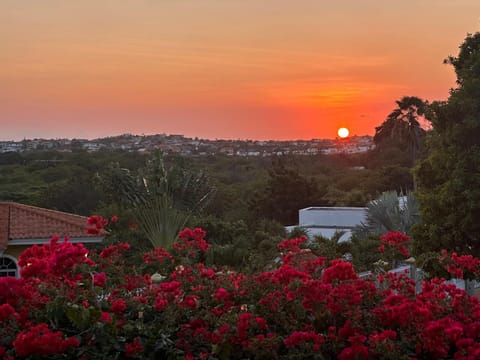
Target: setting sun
[343, 132]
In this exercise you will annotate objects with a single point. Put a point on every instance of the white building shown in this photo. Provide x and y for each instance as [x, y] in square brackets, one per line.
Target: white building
[326, 221]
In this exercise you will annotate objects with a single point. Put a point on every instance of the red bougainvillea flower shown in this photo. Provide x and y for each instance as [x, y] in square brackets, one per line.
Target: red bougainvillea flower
[95, 224]
[158, 254]
[301, 307]
[243, 324]
[133, 349]
[222, 295]
[53, 260]
[160, 303]
[339, 270]
[397, 240]
[6, 310]
[106, 317]
[298, 338]
[118, 306]
[40, 340]
[292, 245]
[100, 279]
[191, 239]
[356, 351]
[457, 265]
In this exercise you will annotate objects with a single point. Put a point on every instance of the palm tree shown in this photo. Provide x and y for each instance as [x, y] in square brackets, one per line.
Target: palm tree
[403, 125]
[389, 213]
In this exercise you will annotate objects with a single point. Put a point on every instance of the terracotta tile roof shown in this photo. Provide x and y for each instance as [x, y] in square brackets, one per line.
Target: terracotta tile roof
[18, 221]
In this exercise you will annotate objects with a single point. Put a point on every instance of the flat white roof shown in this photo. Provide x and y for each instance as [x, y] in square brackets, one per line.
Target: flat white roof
[334, 208]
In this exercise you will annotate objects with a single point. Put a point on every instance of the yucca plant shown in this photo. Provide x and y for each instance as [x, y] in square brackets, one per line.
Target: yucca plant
[160, 220]
[389, 212]
[161, 199]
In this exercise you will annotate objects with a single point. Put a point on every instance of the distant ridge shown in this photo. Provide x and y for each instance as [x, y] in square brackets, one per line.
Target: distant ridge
[179, 144]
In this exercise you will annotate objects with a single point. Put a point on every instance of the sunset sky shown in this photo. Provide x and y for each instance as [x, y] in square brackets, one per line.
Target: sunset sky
[236, 69]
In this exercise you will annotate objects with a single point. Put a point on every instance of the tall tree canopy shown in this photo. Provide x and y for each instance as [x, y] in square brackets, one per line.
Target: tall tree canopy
[449, 179]
[402, 127]
[286, 192]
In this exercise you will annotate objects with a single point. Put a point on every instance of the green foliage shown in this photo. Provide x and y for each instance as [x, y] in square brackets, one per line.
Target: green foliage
[10, 158]
[160, 220]
[76, 194]
[230, 241]
[248, 189]
[449, 179]
[399, 142]
[57, 180]
[285, 193]
[17, 184]
[297, 232]
[162, 199]
[234, 246]
[396, 178]
[364, 252]
[389, 213]
[266, 237]
[67, 181]
[402, 127]
[332, 248]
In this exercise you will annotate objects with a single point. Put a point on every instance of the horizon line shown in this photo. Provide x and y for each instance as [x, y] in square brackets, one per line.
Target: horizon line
[174, 134]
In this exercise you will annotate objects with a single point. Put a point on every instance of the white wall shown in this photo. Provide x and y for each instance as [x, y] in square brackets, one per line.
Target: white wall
[344, 217]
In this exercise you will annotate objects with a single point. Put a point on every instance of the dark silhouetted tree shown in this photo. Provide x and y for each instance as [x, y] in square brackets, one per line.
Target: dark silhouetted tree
[449, 179]
[285, 193]
[402, 127]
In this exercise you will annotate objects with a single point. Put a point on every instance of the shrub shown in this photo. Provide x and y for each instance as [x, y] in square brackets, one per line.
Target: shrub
[87, 305]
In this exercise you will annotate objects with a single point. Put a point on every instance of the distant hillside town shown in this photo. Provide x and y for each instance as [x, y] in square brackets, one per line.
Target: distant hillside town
[181, 145]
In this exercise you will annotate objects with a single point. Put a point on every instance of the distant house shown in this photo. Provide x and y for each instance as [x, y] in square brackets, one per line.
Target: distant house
[326, 221]
[22, 226]
[229, 151]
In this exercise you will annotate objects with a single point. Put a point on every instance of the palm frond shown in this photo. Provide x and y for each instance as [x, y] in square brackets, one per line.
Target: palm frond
[389, 213]
[160, 220]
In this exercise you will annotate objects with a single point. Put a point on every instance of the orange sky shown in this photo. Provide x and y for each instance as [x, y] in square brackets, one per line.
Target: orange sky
[256, 69]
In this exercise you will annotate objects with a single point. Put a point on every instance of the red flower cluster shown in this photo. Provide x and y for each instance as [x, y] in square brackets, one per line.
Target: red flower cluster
[298, 338]
[106, 317]
[96, 223]
[133, 349]
[222, 295]
[158, 254]
[6, 310]
[53, 260]
[191, 239]
[40, 340]
[100, 279]
[396, 240]
[118, 306]
[357, 349]
[243, 323]
[98, 306]
[457, 265]
[339, 270]
[292, 244]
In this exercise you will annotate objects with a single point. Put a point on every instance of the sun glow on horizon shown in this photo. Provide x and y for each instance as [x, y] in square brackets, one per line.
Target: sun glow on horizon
[343, 132]
[90, 69]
